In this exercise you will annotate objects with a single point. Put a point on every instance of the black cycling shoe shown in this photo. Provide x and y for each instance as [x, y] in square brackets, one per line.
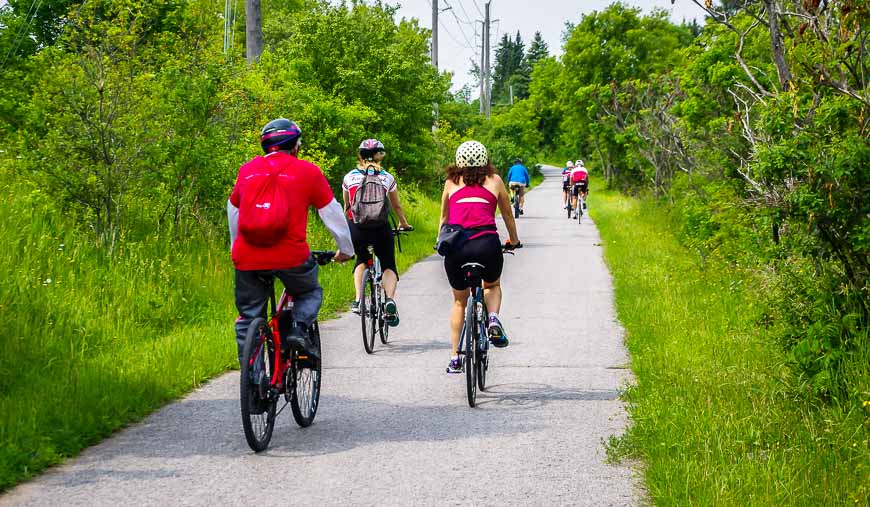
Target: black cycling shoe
[298, 339]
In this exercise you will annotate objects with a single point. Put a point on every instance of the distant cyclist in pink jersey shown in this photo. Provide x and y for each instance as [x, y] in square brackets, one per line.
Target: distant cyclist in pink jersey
[472, 193]
[579, 180]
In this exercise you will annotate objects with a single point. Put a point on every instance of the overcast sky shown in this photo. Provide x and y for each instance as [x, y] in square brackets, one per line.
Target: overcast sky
[459, 34]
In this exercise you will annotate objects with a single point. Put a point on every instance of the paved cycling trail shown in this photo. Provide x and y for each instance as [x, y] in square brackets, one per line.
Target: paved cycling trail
[393, 428]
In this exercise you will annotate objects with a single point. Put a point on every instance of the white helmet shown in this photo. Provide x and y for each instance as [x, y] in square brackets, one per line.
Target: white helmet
[580, 163]
[471, 154]
[569, 164]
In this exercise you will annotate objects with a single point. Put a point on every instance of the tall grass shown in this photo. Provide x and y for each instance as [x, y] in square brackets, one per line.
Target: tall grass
[89, 344]
[717, 418]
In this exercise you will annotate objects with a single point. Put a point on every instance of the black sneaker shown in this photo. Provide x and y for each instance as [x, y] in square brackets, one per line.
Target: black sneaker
[298, 339]
[391, 312]
[497, 336]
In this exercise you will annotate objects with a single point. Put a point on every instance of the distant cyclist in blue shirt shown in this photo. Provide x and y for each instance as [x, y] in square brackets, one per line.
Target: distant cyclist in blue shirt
[518, 180]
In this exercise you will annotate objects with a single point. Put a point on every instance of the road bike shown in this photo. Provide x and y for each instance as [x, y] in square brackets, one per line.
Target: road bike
[474, 339]
[268, 374]
[372, 301]
[568, 206]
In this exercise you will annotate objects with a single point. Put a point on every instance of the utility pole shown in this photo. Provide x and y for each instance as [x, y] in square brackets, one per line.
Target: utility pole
[435, 57]
[482, 66]
[253, 30]
[435, 33]
[486, 53]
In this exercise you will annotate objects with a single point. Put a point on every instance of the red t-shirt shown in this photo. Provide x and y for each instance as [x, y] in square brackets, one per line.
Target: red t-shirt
[307, 187]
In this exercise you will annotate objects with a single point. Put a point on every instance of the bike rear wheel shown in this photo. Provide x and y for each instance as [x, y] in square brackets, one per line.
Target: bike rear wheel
[579, 211]
[517, 206]
[470, 340]
[255, 391]
[569, 206]
[368, 312]
[306, 377]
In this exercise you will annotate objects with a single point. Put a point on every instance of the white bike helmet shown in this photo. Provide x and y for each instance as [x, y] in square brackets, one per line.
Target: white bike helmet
[471, 154]
[580, 163]
[569, 164]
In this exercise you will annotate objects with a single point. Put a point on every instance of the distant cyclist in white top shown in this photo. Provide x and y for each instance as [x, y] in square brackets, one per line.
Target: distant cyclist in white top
[371, 153]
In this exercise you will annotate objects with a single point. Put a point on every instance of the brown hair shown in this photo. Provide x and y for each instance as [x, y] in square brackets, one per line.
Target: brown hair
[472, 176]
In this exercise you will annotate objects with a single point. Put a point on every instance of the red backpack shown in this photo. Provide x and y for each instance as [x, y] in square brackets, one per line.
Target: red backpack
[264, 213]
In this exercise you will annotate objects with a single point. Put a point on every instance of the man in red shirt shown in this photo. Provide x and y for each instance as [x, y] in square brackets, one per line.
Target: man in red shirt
[289, 258]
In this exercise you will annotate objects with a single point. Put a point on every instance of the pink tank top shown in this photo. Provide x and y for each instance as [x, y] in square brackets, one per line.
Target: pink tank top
[473, 207]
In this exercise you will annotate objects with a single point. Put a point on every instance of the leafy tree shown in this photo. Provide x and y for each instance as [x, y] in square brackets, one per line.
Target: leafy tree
[509, 64]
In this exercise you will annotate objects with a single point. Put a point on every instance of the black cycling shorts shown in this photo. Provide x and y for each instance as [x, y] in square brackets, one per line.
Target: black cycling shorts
[381, 239]
[579, 187]
[486, 250]
[566, 185]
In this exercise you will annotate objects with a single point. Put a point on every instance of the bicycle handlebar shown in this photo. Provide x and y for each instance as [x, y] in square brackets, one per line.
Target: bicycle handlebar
[509, 248]
[323, 257]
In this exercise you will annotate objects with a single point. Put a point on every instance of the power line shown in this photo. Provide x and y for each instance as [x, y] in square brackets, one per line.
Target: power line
[477, 7]
[24, 28]
[459, 24]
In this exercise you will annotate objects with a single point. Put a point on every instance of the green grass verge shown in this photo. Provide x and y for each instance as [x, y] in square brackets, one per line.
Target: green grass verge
[715, 417]
[90, 344]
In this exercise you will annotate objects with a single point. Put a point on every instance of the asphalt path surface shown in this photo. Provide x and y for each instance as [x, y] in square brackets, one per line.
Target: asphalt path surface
[393, 427]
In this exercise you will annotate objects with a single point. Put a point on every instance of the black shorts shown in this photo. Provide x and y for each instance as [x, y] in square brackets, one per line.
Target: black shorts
[380, 238]
[486, 250]
[579, 187]
[566, 186]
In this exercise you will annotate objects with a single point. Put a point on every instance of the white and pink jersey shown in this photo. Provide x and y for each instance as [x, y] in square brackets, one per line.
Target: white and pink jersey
[579, 175]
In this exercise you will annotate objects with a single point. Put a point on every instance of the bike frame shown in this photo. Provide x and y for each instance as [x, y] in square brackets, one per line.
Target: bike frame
[474, 298]
[376, 275]
[285, 303]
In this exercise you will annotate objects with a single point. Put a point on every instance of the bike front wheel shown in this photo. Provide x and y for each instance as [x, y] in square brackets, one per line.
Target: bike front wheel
[482, 360]
[306, 373]
[255, 390]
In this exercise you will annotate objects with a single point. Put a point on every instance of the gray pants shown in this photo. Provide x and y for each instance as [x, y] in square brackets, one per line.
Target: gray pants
[252, 295]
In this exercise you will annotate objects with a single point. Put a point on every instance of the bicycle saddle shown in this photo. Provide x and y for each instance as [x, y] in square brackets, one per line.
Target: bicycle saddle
[473, 269]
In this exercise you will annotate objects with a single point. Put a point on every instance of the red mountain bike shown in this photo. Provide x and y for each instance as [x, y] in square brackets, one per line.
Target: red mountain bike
[267, 375]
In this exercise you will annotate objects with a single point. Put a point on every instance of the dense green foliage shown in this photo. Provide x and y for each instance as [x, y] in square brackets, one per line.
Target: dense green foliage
[122, 125]
[716, 418]
[755, 132]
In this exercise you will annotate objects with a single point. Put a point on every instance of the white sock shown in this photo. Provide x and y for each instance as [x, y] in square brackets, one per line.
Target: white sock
[493, 314]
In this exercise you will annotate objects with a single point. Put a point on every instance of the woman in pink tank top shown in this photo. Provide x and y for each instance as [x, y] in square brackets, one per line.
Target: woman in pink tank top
[472, 193]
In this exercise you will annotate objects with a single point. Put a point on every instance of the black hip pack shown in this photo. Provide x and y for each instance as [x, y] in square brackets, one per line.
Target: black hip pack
[452, 237]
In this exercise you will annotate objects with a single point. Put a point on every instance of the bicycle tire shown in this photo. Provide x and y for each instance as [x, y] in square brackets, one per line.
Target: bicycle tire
[517, 206]
[579, 212]
[367, 312]
[307, 377]
[569, 207]
[470, 338]
[257, 403]
[383, 327]
[482, 362]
